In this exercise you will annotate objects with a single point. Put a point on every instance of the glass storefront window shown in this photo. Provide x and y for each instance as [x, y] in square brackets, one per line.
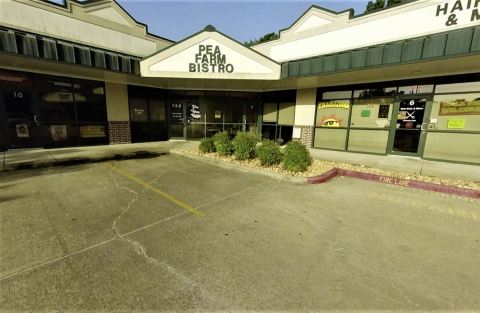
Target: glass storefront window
[415, 89]
[456, 112]
[212, 129]
[138, 110]
[251, 112]
[333, 114]
[330, 95]
[214, 109]
[90, 102]
[286, 113]
[375, 92]
[195, 130]
[157, 111]
[195, 112]
[57, 106]
[372, 113]
[460, 87]
[234, 111]
[270, 111]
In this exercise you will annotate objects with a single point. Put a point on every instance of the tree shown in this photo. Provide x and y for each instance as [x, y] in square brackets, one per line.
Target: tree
[395, 2]
[382, 4]
[375, 6]
[264, 38]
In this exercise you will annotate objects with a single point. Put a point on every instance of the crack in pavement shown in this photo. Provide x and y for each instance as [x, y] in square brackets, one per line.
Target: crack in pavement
[142, 251]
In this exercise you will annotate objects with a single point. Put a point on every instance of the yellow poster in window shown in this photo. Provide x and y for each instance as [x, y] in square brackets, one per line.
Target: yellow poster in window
[92, 131]
[456, 123]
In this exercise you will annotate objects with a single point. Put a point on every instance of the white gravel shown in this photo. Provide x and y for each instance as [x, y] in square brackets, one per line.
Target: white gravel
[319, 167]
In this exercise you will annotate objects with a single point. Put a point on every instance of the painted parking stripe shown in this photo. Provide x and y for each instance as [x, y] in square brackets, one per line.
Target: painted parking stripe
[167, 196]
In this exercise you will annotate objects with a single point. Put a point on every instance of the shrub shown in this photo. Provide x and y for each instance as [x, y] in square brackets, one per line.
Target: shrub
[244, 145]
[269, 153]
[296, 157]
[222, 143]
[207, 145]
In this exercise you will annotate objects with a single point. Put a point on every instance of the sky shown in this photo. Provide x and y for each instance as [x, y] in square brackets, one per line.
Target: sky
[241, 20]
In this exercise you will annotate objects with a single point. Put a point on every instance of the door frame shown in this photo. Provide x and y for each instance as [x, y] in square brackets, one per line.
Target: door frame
[184, 117]
[36, 135]
[424, 126]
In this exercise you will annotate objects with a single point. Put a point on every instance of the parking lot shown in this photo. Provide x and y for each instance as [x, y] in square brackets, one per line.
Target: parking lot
[170, 234]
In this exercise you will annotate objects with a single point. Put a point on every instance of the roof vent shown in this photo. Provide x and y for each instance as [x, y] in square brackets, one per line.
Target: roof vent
[209, 28]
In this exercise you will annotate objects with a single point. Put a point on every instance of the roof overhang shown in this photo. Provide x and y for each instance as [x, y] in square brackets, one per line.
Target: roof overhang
[210, 55]
[410, 71]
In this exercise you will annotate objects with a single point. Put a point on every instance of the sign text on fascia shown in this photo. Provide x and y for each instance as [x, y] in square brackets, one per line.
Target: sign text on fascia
[451, 9]
[209, 59]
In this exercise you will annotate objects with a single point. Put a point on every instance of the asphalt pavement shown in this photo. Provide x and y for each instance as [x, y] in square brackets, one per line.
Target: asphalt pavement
[171, 234]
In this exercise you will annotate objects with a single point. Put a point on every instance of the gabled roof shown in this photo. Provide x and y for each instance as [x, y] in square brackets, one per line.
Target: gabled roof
[210, 54]
[108, 10]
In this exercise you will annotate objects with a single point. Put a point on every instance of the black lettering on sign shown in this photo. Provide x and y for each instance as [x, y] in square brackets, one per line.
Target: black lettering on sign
[458, 6]
[210, 59]
[475, 15]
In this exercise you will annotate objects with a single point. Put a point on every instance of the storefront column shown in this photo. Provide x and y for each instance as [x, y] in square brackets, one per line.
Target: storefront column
[305, 115]
[117, 112]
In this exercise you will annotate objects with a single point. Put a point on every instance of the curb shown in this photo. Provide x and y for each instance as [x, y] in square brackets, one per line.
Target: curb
[81, 160]
[223, 164]
[471, 193]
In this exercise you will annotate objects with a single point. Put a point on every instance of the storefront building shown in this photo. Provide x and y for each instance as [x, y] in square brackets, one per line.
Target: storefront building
[402, 81]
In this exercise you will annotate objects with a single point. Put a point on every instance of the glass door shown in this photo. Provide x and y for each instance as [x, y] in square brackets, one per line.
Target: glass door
[176, 118]
[195, 120]
[409, 130]
[22, 122]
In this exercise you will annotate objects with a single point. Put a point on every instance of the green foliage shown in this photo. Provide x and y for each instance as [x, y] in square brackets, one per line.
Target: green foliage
[296, 157]
[395, 2]
[207, 145]
[264, 38]
[377, 5]
[222, 143]
[244, 145]
[269, 153]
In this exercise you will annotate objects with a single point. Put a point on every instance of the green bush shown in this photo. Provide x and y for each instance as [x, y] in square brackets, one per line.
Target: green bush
[269, 153]
[296, 157]
[244, 145]
[207, 145]
[222, 143]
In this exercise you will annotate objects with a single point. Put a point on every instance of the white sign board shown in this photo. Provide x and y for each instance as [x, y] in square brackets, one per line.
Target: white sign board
[210, 55]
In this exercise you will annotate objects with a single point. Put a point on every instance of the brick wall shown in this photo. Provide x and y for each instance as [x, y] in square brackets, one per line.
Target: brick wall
[119, 132]
[306, 135]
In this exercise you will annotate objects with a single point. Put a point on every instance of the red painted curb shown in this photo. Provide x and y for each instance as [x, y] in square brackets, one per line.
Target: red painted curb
[324, 177]
[395, 181]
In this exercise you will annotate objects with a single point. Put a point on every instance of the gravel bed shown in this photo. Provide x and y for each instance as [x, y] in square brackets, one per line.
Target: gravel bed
[319, 167]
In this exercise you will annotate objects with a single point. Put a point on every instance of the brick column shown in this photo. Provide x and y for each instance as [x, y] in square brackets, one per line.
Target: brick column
[119, 132]
[117, 113]
[305, 107]
[306, 135]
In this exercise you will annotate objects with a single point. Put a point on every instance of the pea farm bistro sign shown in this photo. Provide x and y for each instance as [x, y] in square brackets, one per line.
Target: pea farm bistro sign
[451, 10]
[210, 59]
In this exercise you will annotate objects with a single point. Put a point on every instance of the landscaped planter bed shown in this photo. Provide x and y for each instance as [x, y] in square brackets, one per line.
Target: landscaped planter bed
[319, 167]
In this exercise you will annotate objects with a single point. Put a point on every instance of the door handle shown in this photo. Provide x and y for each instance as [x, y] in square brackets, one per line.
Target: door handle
[423, 126]
[35, 119]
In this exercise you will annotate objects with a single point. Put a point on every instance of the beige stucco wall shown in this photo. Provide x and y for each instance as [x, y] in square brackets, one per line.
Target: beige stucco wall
[117, 102]
[321, 32]
[77, 25]
[305, 107]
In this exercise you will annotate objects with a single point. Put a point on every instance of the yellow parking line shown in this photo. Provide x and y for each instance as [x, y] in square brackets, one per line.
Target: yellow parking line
[156, 190]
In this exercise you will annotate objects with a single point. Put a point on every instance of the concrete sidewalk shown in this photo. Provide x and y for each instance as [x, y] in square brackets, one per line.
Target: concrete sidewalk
[39, 157]
[402, 164]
